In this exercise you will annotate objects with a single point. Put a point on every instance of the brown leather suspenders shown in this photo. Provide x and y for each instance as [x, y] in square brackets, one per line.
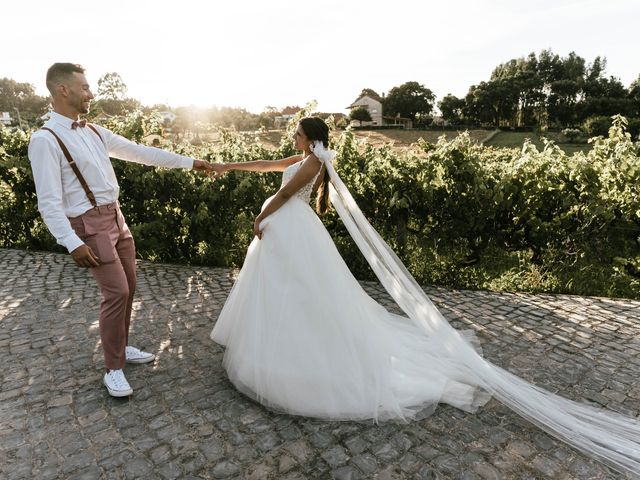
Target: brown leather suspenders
[72, 163]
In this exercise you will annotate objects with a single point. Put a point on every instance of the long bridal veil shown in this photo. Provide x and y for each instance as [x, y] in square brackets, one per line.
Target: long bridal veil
[607, 436]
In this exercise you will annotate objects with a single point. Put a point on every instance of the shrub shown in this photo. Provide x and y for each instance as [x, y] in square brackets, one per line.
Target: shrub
[457, 213]
[596, 126]
[572, 134]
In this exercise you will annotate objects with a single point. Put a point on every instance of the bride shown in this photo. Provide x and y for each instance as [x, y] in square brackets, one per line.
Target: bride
[303, 337]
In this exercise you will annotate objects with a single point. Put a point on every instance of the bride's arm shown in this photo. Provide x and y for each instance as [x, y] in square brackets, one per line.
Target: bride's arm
[259, 165]
[307, 172]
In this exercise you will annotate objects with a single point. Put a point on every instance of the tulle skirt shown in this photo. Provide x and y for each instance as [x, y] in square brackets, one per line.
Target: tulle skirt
[303, 337]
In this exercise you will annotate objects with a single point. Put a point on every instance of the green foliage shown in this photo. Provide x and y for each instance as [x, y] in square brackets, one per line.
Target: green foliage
[634, 128]
[596, 126]
[112, 87]
[457, 213]
[369, 92]
[21, 101]
[572, 134]
[20, 222]
[409, 100]
[112, 98]
[547, 90]
[451, 108]
[360, 114]
[136, 125]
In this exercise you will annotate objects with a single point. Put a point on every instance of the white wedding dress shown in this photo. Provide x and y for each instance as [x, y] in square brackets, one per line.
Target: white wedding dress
[303, 337]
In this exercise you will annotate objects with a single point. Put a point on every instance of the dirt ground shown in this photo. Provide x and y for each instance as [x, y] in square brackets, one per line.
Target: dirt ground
[399, 138]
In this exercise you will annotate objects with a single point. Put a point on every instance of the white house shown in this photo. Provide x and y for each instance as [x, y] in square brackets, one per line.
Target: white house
[281, 121]
[287, 114]
[5, 118]
[374, 107]
[398, 121]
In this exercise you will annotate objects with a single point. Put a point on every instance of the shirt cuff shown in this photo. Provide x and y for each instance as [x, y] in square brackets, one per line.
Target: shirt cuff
[187, 162]
[73, 242]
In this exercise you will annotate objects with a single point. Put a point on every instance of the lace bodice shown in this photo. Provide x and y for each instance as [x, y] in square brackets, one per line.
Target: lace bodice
[305, 192]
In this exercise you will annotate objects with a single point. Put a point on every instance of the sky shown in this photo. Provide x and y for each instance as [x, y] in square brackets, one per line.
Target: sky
[254, 54]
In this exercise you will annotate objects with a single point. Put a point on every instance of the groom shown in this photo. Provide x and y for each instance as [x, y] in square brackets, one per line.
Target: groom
[77, 194]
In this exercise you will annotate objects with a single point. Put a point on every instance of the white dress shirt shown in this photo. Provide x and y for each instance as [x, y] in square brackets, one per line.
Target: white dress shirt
[60, 194]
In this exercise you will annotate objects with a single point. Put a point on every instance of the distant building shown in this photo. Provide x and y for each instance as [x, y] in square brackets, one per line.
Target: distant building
[167, 117]
[373, 106]
[5, 118]
[375, 109]
[287, 114]
[398, 121]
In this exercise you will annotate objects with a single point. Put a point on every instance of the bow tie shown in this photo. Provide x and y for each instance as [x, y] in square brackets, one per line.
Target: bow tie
[81, 124]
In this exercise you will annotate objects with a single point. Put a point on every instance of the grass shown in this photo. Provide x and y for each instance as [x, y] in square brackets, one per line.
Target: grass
[517, 139]
[405, 138]
[399, 138]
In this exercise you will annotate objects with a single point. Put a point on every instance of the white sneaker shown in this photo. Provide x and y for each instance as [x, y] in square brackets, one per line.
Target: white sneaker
[134, 355]
[117, 384]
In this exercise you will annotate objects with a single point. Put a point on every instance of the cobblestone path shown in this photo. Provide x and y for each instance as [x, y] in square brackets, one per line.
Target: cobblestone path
[185, 420]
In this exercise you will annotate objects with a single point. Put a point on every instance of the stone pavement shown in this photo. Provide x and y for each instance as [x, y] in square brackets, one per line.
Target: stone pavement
[185, 420]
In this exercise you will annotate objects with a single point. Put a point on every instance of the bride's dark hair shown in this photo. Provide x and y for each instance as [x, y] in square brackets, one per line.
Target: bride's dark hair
[315, 129]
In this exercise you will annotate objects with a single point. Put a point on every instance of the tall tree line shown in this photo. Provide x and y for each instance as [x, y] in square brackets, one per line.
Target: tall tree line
[543, 91]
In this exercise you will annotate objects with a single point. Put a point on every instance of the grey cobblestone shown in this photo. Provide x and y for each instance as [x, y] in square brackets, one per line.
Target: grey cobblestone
[185, 420]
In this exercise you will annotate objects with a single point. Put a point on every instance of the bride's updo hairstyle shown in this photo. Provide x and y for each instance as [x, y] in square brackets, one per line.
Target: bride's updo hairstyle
[315, 129]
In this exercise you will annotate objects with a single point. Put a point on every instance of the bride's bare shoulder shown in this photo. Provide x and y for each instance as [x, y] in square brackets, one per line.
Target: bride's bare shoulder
[286, 162]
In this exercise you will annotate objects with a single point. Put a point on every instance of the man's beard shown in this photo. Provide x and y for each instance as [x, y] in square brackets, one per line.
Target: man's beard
[80, 106]
[84, 110]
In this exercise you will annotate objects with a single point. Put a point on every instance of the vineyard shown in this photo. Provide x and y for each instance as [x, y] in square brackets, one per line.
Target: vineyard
[458, 213]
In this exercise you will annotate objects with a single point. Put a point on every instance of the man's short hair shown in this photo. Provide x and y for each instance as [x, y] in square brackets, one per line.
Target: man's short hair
[58, 72]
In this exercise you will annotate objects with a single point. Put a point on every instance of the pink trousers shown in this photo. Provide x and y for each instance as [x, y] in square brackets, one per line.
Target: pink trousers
[104, 229]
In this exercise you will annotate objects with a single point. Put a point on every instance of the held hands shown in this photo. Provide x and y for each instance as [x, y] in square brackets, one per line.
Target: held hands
[202, 166]
[215, 169]
[219, 169]
[84, 257]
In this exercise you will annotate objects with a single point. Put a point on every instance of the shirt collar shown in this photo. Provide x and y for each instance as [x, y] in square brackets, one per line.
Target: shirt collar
[61, 120]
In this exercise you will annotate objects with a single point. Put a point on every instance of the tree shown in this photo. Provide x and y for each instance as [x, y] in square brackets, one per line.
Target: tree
[634, 94]
[597, 126]
[547, 89]
[360, 114]
[566, 92]
[521, 80]
[112, 97]
[267, 117]
[604, 96]
[594, 73]
[562, 102]
[368, 92]
[492, 103]
[451, 108]
[111, 87]
[409, 100]
[21, 101]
